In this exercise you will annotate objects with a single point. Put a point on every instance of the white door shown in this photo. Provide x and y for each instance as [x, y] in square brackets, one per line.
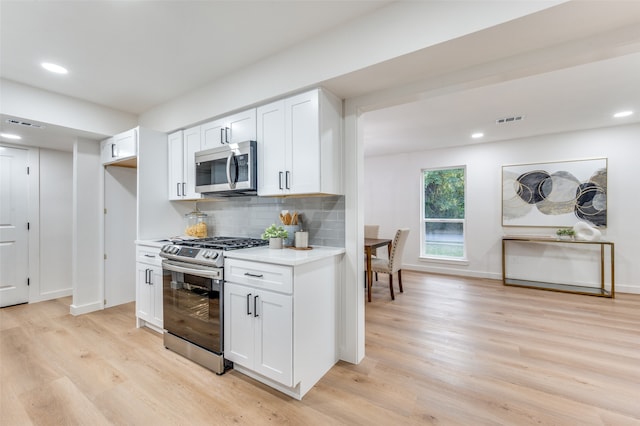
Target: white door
[271, 149]
[302, 134]
[176, 165]
[143, 297]
[238, 324]
[274, 336]
[14, 235]
[191, 146]
[120, 191]
[242, 126]
[212, 134]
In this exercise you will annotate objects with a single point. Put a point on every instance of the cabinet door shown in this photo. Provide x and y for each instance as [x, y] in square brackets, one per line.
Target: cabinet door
[143, 293]
[212, 134]
[126, 144]
[271, 149]
[303, 142]
[191, 146]
[274, 336]
[242, 126]
[176, 164]
[107, 151]
[238, 324]
[156, 296]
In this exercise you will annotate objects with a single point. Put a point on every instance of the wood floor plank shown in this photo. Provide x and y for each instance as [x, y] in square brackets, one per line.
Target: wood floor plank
[60, 402]
[447, 351]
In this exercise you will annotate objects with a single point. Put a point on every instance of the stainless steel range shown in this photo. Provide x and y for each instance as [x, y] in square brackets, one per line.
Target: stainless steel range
[193, 289]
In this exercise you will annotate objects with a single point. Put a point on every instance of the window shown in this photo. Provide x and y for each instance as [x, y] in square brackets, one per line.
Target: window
[443, 213]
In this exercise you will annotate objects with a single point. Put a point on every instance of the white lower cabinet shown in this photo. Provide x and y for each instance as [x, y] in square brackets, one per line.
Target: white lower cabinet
[259, 326]
[149, 288]
[280, 321]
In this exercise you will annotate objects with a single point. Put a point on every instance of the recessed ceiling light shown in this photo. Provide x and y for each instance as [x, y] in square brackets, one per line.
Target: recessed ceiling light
[10, 136]
[622, 114]
[54, 68]
[477, 135]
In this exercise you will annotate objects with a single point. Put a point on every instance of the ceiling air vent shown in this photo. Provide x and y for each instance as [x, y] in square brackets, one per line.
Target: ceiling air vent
[24, 123]
[513, 119]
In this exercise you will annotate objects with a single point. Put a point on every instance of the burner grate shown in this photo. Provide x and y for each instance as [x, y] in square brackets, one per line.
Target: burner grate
[224, 243]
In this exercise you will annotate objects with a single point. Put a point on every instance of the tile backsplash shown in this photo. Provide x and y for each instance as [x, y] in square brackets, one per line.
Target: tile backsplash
[323, 217]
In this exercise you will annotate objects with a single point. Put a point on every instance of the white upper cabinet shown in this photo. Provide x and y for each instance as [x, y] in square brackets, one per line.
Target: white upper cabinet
[235, 128]
[182, 146]
[271, 149]
[121, 147]
[300, 145]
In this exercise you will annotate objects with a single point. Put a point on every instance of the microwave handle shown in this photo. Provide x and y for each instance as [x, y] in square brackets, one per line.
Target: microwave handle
[232, 182]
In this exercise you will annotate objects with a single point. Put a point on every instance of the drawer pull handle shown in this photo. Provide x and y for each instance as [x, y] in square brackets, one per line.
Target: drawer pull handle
[248, 274]
[249, 304]
[149, 255]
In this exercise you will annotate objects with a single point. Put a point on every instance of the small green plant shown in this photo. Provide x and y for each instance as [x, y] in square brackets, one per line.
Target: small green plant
[274, 231]
[569, 232]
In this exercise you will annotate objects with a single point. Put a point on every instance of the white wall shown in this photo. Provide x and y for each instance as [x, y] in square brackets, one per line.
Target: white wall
[87, 245]
[392, 196]
[56, 197]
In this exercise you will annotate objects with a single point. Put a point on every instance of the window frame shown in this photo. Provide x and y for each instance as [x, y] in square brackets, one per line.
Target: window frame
[424, 221]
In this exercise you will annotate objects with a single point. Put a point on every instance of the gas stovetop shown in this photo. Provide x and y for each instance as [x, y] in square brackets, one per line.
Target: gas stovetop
[223, 243]
[206, 251]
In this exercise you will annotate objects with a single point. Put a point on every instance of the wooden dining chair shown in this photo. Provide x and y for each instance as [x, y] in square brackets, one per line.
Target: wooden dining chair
[371, 231]
[394, 263]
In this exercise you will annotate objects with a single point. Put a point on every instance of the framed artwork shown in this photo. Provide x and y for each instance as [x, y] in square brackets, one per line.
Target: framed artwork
[556, 194]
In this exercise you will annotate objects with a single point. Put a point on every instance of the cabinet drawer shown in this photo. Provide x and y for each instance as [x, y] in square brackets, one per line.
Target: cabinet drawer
[150, 255]
[260, 275]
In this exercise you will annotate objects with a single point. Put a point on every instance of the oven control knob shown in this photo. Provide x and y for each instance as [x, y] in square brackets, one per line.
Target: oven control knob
[206, 254]
[175, 249]
[165, 248]
[214, 255]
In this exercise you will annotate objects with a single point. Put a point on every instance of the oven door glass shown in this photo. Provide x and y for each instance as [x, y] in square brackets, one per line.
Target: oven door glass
[192, 302]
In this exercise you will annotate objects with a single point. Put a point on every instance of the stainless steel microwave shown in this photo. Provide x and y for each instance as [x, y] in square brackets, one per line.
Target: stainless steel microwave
[227, 170]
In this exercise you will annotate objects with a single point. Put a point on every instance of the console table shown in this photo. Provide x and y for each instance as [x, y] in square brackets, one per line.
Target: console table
[603, 290]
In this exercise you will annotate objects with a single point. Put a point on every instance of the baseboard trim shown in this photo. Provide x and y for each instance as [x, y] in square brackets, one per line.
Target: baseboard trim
[620, 288]
[85, 309]
[625, 288]
[453, 271]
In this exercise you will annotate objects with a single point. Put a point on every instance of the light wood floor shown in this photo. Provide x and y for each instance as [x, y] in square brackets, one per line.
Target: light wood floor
[448, 351]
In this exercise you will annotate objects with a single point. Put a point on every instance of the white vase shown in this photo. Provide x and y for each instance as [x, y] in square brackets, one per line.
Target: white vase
[275, 243]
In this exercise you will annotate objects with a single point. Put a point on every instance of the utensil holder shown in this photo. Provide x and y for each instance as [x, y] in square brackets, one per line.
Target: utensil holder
[291, 230]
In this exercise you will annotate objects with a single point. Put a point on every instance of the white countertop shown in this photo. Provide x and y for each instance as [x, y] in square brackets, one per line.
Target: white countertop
[285, 256]
[152, 243]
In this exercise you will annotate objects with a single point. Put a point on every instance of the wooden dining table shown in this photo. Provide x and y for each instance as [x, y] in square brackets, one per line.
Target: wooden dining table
[370, 245]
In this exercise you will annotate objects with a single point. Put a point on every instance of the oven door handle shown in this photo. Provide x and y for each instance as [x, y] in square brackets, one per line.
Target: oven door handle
[205, 272]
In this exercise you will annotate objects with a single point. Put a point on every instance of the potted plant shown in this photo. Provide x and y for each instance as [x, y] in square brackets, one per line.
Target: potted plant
[566, 233]
[275, 235]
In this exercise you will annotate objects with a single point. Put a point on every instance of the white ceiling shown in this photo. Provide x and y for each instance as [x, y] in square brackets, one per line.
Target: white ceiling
[580, 97]
[133, 55]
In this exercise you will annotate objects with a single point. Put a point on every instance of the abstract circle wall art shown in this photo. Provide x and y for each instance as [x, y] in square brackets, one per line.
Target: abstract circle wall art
[555, 194]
